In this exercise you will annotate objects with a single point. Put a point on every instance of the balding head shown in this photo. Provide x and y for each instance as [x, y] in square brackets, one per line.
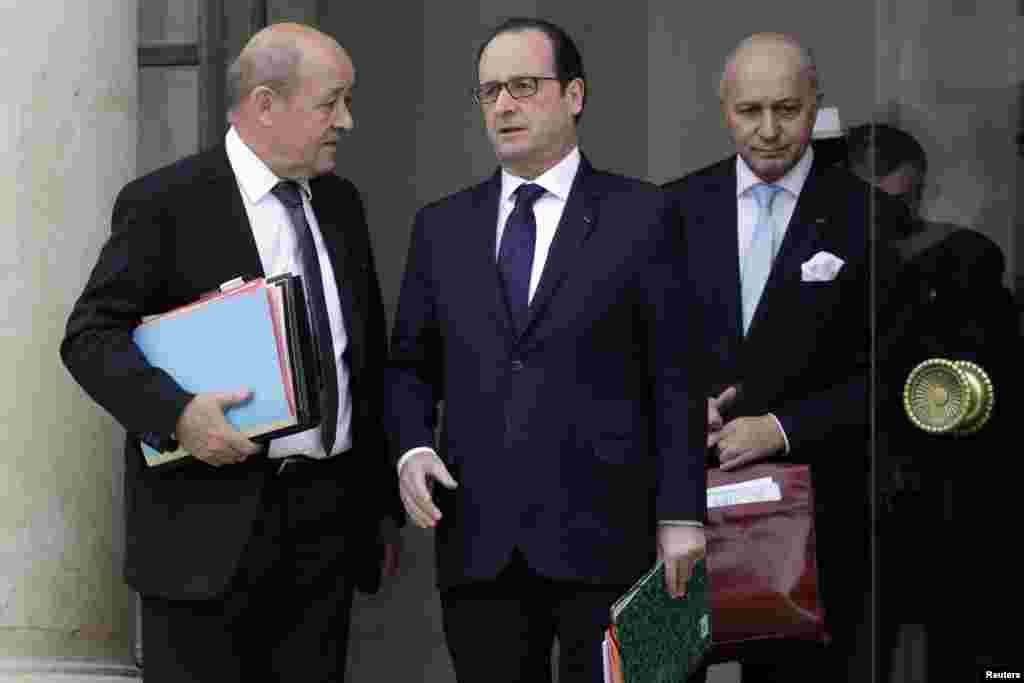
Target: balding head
[272, 58]
[769, 95]
[291, 88]
[776, 46]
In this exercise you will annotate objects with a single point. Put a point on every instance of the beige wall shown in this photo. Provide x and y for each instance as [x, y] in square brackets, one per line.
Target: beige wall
[67, 128]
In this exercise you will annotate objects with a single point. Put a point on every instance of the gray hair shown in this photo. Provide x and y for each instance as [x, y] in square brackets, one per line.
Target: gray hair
[271, 66]
[807, 65]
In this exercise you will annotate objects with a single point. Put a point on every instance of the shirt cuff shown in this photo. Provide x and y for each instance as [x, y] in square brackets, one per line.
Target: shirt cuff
[782, 431]
[680, 522]
[411, 452]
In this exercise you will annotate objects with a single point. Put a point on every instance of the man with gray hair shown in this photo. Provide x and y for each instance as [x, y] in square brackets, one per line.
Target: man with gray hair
[246, 556]
[779, 251]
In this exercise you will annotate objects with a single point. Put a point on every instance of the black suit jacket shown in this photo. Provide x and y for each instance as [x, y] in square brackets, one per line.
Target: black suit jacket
[570, 440]
[807, 357]
[177, 233]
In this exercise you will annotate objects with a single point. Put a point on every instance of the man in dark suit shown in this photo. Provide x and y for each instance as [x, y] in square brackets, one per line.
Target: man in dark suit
[542, 306]
[246, 557]
[779, 251]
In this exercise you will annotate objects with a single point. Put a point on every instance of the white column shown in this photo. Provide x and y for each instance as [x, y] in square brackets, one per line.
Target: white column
[68, 131]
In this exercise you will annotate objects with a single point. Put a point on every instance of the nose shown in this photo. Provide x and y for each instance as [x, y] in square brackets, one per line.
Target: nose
[769, 127]
[343, 116]
[505, 101]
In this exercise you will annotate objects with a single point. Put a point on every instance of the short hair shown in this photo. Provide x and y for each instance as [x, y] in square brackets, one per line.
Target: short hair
[807, 64]
[568, 61]
[271, 66]
[882, 149]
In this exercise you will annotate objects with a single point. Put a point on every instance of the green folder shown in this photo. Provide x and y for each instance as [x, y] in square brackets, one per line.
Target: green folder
[662, 639]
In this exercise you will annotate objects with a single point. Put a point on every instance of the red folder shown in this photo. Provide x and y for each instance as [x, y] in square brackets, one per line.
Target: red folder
[762, 560]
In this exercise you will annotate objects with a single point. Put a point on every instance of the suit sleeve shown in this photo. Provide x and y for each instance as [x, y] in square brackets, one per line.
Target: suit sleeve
[415, 366]
[373, 441]
[674, 335]
[126, 283]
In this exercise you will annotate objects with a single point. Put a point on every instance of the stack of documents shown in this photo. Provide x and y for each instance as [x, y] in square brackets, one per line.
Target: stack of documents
[254, 336]
[655, 638]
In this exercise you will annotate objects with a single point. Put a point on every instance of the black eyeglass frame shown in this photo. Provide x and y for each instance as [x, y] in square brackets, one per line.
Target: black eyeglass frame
[503, 85]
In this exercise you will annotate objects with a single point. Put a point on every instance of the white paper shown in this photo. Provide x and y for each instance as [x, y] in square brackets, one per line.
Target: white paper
[761, 490]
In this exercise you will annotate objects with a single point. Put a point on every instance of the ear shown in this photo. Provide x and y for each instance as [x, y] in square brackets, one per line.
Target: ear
[575, 90]
[262, 100]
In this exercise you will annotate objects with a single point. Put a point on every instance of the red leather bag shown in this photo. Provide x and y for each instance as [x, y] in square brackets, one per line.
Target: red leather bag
[761, 558]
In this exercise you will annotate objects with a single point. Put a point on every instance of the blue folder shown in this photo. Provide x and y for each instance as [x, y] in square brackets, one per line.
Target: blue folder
[225, 344]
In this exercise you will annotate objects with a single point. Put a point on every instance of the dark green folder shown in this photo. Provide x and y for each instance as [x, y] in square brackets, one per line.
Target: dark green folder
[661, 639]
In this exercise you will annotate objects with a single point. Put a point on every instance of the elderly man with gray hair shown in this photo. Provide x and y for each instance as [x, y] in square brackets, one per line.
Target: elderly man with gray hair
[780, 251]
[246, 557]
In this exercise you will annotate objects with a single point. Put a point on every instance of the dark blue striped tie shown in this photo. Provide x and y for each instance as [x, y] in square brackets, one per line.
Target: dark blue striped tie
[515, 257]
[288, 193]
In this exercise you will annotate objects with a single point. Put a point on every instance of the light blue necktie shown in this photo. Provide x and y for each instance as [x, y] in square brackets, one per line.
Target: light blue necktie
[757, 263]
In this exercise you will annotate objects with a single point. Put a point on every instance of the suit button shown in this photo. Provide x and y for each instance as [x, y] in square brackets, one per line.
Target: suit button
[517, 365]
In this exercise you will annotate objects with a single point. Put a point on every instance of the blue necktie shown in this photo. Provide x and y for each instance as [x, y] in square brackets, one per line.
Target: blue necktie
[515, 257]
[757, 264]
[287, 192]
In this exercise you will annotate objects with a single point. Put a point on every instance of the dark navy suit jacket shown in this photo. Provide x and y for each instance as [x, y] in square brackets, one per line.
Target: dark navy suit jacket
[571, 440]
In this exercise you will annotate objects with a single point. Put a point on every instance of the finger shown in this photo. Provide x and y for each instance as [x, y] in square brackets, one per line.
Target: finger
[671, 576]
[684, 567]
[419, 492]
[240, 445]
[416, 515]
[441, 474]
[726, 397]
[735, 460]
[714, 438]
[230, 399]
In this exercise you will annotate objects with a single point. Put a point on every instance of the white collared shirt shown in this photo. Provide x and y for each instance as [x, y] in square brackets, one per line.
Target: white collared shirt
[782, 208]
[547, 211]
[279, 253]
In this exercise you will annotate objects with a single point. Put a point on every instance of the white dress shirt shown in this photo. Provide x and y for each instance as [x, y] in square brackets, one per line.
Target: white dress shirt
[279, 253]
[782, 211]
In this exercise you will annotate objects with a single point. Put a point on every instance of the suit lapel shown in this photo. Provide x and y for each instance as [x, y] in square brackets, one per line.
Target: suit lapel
[720, 236]
[482, 248]
[332, 218]
[803, 237]
[230, 233]
[579, 218]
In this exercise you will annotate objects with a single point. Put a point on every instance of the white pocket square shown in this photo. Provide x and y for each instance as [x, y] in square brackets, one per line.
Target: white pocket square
[822, 267]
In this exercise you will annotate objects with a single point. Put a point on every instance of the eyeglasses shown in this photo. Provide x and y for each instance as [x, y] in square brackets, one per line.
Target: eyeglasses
[519, 88]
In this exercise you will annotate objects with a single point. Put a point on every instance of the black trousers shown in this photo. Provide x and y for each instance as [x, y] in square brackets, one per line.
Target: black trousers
[503, 631]
[285, 615]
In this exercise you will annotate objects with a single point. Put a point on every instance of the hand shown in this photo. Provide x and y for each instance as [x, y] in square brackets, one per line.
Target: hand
[680, 547]
[715, 408]
[745, 440]
[203, 431]
[416, 481]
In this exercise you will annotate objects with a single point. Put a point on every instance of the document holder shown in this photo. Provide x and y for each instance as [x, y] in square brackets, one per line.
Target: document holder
[762, 559]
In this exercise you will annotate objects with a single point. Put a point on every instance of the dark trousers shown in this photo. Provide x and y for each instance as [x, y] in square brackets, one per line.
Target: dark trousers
[285, 615]
[503, 631]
